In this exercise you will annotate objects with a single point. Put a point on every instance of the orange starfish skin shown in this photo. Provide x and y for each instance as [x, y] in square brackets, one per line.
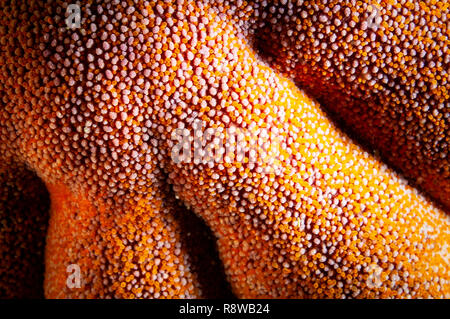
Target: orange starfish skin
[316, 221]
[126, 234]
[133, 250]
[97, 112]
[380, 67]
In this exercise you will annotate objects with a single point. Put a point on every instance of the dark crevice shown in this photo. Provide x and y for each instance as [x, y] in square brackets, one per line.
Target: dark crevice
[200, 244]
[24, 214]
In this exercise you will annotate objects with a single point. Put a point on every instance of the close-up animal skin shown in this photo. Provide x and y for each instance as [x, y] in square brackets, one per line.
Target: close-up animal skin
[221, 149]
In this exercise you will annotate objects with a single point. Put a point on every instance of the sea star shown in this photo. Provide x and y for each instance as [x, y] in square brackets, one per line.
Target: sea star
[146, 109]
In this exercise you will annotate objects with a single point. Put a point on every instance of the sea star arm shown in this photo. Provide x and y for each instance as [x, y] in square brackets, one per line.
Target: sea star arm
[312, 214]
[113, 220]
[150, 248]
[97, 112]
[381, 68]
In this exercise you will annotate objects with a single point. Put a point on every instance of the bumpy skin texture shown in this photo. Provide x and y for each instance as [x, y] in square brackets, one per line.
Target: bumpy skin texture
[380, 67]
[96, 112]
[112, 214]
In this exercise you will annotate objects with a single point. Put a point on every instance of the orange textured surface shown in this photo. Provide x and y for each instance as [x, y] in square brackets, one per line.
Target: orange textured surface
[97, 112]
